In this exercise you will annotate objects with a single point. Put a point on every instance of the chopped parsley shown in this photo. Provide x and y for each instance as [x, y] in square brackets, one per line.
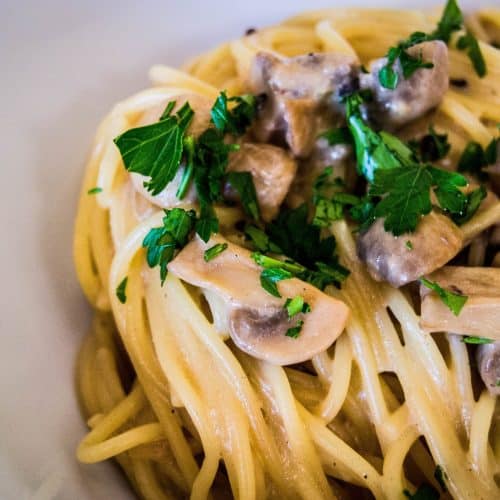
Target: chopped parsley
[425, 492]
[401, 184]
[441, 476]
[94, 190]
[121, 290]
[156, 150]
[474, 158]
[212, 252]
[451, 21]
[431, 147]
[272, 275]
[340, 135]
[236, 120]
[453, 301]
[477, 340]
[260, 240]
[296, 305]
[294, 331]
[242, 182]
[162, 243]
[409, 245]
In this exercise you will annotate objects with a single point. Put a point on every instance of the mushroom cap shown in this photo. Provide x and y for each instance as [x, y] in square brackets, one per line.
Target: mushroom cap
[388, 258]
[257, 320]
[488, 363]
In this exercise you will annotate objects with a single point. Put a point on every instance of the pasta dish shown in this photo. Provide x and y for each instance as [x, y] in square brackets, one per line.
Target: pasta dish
[292, 249]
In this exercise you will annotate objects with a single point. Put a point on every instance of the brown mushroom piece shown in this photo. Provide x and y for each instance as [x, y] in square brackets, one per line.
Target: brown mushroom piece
[480, 316]
[168, 197]
[413, 96]
[300, 94]
[402, 259]
[272, 169]
[488, 364]
[257, 321]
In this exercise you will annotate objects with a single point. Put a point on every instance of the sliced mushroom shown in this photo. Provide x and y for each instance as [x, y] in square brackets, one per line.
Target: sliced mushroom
[488, 364]
[402, 259]
[257, 321]
[272, 169]
[480, 315]
[415, 95]
[300, 92]
[168, 197]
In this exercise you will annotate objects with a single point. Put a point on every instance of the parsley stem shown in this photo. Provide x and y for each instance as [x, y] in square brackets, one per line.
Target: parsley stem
[187, 176]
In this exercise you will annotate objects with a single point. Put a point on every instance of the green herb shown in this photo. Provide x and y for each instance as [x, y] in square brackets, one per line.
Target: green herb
[269, 277]
[94, 190]
[294, 332]
[212, 252]
[261, 240]
[339, 135]
[497, 383]
[236, 120]
[431, 147]
[469, 43]
[453, 301]
[296, 305]
[424, 492]
[121, 290]
[163, 242]
[440, 476]
[187, 176]
[474, 158]
[243, 183]
[451, 21]
[476, 340]
[473, 200]
[156, 150]
[409, 245]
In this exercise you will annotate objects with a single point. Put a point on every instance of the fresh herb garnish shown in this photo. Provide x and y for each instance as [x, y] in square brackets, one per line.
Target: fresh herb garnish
[242, 182]
[474, 158]
[477, 340]
[94, 190]
[121, 290]
[336, 136]
[424, 492]
[270, 276]
[296, 305]
[212, 252]
[409, 245]
[236, 120]
[440, 476]
[451, 21]
[156, 150]
[453, 301]
[469, 43]
[294, 331]
[401, 184]
[431, 147]
[163, 242]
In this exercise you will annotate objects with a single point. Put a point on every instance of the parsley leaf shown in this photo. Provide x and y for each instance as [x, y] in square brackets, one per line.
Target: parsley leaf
[236, 120]
[212, 252]
[477, 340]
[269, 277]
[94, 190]
[340, 135]
[242, 182]
[156, 150]
[294, 332]
[121, 290]
[453, 301]
[163, 242]
[469, 43]
[424, 492]
[296, 305]
[451, 21]
[472, 202]
[431, 147]
[261, 240]
[474, 158]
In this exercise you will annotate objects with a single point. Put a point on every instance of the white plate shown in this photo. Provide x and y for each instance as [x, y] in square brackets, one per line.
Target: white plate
[63, 64]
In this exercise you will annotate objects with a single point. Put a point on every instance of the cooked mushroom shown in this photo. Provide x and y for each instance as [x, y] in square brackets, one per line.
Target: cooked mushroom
[257, 321]
[402, 259]
[488, 364]
[415, 95]
[168, 198]
[272, 169]
[480, 316]
[300, 94]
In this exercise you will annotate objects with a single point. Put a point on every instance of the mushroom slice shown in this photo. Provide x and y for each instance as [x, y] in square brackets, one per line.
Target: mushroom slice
[415, 95]
[488, 364]
[299, 95]
[257, 321]
[480, 315]
[272, 169]
[402, 259]
[201, 119]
